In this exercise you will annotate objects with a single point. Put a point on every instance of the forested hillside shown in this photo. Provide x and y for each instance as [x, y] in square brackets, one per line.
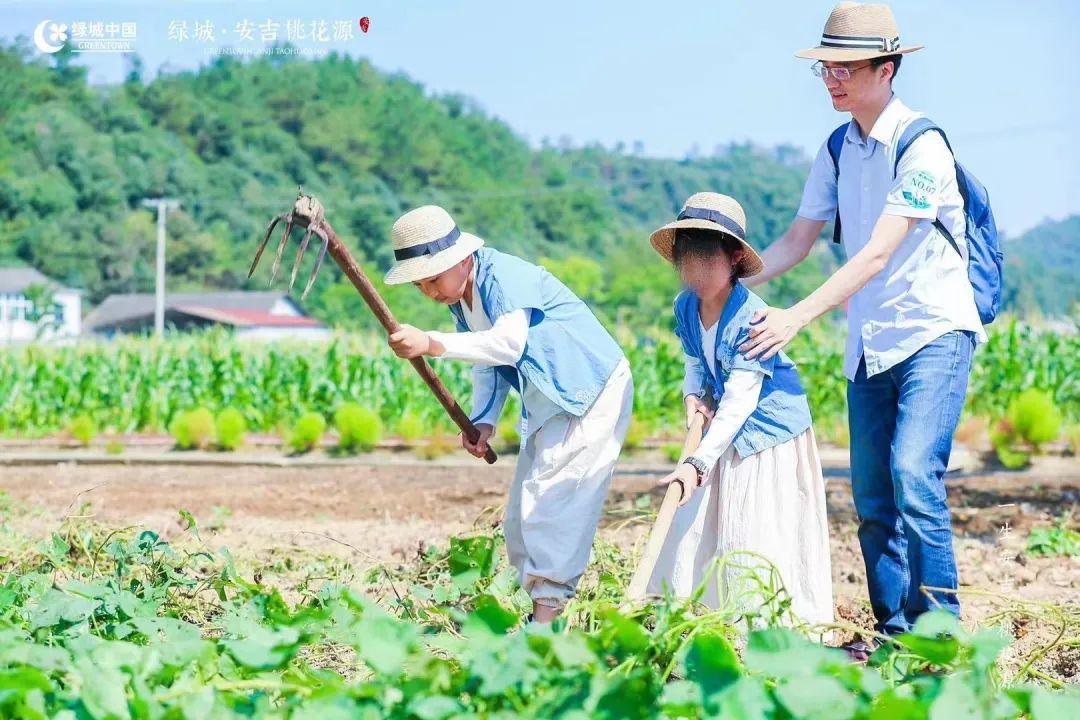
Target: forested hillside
[234, 140]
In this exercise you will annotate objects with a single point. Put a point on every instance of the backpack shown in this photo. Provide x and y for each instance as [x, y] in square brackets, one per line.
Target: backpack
[984, 249]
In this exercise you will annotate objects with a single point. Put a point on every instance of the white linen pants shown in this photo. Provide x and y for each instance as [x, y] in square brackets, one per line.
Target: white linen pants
[559, 488]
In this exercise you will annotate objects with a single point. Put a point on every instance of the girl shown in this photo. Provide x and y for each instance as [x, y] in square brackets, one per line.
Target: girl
[522, 328]
[755, 482]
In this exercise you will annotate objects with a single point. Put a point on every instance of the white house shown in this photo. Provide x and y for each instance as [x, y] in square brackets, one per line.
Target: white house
[19, 323]
[255, 315]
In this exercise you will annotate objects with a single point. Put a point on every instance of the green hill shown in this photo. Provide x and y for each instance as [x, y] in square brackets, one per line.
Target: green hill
[233, 141]
[1042, 267]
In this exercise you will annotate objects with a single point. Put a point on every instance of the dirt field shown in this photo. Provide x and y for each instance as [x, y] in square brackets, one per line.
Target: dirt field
[383, 512]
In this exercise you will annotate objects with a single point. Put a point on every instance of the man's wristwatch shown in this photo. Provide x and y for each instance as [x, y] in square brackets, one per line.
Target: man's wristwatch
[698, 465]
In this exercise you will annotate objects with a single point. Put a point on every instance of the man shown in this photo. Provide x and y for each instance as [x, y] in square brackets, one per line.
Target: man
[912, 318]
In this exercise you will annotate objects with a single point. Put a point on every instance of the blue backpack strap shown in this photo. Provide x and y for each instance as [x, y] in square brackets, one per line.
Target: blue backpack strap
[835, 145]
[912, 133]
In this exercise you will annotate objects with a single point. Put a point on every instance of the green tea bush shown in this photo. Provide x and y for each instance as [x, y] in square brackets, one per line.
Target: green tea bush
[82, 429]
[306, 433]
[192, 429]
[229, 429]
[1034, 417]
[359, 428]
[410, 426]
[1031, 420]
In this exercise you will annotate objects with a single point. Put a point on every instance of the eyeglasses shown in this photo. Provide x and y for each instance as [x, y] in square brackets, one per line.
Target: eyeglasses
[840, 73]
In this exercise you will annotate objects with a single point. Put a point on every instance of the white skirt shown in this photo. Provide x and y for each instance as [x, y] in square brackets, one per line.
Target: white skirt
[770, 504]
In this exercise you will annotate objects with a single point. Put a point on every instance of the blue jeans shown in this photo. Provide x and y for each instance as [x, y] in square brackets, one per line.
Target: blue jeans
[902, 423]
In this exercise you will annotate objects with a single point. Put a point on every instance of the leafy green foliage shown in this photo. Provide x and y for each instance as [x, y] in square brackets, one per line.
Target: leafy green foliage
[1071, 433]
[136, 384]
[635, 434]
[229, 429]
[82, 429]
[1057, 539]
[193, 429]
[410, 426]
[119, 624]
[307, 432]
[1034, 417]
[509, 435]
[359, 428]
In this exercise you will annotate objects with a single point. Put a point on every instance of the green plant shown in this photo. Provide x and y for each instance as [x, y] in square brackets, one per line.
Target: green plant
[509, 436]
[134, 384]
[635, 434]
[1057, 539]
[219, 514]
[307, 432]
[104, 622]
[1072, 438]
[410, 426]
[673, 452]
[114, 447]
[437, 446]
[836, 432]
[1034, 417]
[1003, 438]
[359, 428]
[82, 429]
[229, 429]
[192, 429]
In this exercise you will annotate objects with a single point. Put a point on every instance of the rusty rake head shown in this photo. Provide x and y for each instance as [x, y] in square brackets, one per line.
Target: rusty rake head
[307, 212]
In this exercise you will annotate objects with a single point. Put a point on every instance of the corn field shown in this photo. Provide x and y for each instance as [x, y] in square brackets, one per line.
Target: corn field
[138, 385]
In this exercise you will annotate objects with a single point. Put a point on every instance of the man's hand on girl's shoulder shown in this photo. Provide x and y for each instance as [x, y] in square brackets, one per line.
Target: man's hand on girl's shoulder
[770, 330]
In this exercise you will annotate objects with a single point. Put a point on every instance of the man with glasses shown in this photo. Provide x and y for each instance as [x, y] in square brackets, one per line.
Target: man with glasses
[912, 318]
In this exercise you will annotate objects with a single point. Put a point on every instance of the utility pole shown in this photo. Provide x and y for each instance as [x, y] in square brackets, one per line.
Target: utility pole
[163, 206]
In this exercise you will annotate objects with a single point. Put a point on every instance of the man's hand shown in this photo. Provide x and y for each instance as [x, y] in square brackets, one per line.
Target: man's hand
[480, 447]
[410, 342]
[770, 330]
[685, 475]
[695, 405]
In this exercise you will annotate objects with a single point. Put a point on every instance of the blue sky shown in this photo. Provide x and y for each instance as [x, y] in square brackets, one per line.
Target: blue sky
[998, 76]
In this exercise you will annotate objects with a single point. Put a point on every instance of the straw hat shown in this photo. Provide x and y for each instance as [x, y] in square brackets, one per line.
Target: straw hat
[857, 31]
[426, 243]
[710, 211]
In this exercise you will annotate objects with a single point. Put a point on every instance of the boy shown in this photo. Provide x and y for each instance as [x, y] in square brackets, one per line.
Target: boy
[522, 328]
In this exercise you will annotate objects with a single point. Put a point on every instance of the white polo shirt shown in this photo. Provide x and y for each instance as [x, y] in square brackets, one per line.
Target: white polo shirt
[923, 292]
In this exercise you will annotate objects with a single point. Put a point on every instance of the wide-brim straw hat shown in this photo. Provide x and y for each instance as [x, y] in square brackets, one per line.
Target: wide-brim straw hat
[710, 211]
[858, 31]
[427, 242]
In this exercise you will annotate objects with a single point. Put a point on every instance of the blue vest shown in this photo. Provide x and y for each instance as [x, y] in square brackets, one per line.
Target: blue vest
[782, 411]
[568, 354]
